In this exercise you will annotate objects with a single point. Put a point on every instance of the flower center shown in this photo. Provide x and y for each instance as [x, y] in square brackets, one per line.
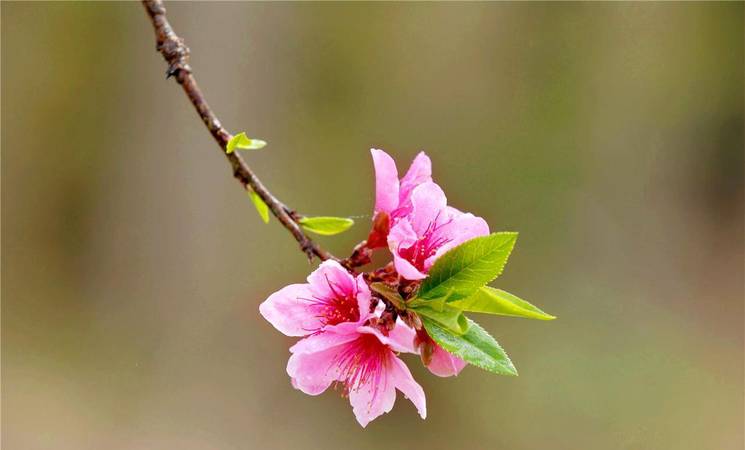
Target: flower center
[425, 247]
[338, 307]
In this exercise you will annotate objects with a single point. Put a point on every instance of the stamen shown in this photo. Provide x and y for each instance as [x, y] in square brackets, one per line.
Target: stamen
[426, 245]
[362, 364]
[335, 309]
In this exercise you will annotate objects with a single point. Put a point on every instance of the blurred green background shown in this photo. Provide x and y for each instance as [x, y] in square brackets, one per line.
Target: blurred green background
[609, 135]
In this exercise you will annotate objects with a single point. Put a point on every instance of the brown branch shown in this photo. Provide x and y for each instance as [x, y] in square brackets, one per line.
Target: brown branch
[176, 54]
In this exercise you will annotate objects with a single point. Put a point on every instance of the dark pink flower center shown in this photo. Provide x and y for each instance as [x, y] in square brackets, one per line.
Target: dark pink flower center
[425, 247]
[337, 308]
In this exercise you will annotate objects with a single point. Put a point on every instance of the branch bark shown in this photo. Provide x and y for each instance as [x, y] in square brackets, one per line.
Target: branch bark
[176, 54]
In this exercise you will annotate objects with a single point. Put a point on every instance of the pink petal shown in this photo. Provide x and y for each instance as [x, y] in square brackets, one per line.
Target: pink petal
[374, 397]
[461, 228]
[406, 269]
[313, 373]
[363, 298]
[332, 336]
[386, 181]
[428, 202]
[290, 311]
[331, 280]
[404, 382]
[444, 364]
[419, 172]
[468, 226]
[402, 236]
[452, 212]
[401, 338]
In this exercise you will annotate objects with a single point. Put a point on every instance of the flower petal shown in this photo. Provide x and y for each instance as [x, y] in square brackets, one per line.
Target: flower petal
[406, 269]
[375, 396]
[419, 172]
[444, 364]
[460, 228]
[331, 337]
[402, 236]
[364, 298]
[428, 202]
[289, 311]
[401, 338]
[467, 226]
[313, 373]
[401, 376]
[386, 181]
[330, 280]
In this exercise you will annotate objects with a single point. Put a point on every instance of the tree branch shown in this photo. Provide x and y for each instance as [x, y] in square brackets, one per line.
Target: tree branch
[176, 54]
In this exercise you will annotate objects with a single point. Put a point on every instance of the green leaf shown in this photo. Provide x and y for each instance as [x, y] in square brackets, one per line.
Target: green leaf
[447, 317]
[460, 272]
[326, 226]
[261, 207]
[496, 301]
[242, 142]
[389, 293]
[476, 346]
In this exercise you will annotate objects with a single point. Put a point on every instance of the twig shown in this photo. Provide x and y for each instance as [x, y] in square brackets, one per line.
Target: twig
[176, 54]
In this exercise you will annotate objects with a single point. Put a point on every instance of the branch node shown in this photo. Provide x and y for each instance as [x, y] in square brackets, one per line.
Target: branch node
[309, 249]
[176, 53]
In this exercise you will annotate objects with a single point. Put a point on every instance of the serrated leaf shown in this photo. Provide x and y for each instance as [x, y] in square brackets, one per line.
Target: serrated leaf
[449, 318]
[476, 346]
[326, 226]
[460, 272]
[496, 301]
[242, 142]
[261, 207]
[389, 293]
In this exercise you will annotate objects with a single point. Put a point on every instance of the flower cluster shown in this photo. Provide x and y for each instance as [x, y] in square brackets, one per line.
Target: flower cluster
[354, 326]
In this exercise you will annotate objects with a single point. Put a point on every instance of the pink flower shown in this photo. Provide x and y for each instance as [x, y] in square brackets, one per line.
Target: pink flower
[393, 197]
[330, 297]
[333, 310]
[430, 229]
[363, 361]
[419, 228]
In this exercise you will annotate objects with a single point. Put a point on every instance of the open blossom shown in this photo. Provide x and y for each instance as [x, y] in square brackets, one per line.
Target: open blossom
[334, 311]
[420, 226]
[363, 361]
[330, 297]
[420, 229]
[429, 230]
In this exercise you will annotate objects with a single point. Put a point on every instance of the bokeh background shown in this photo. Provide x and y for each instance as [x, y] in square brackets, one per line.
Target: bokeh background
[609, 135]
